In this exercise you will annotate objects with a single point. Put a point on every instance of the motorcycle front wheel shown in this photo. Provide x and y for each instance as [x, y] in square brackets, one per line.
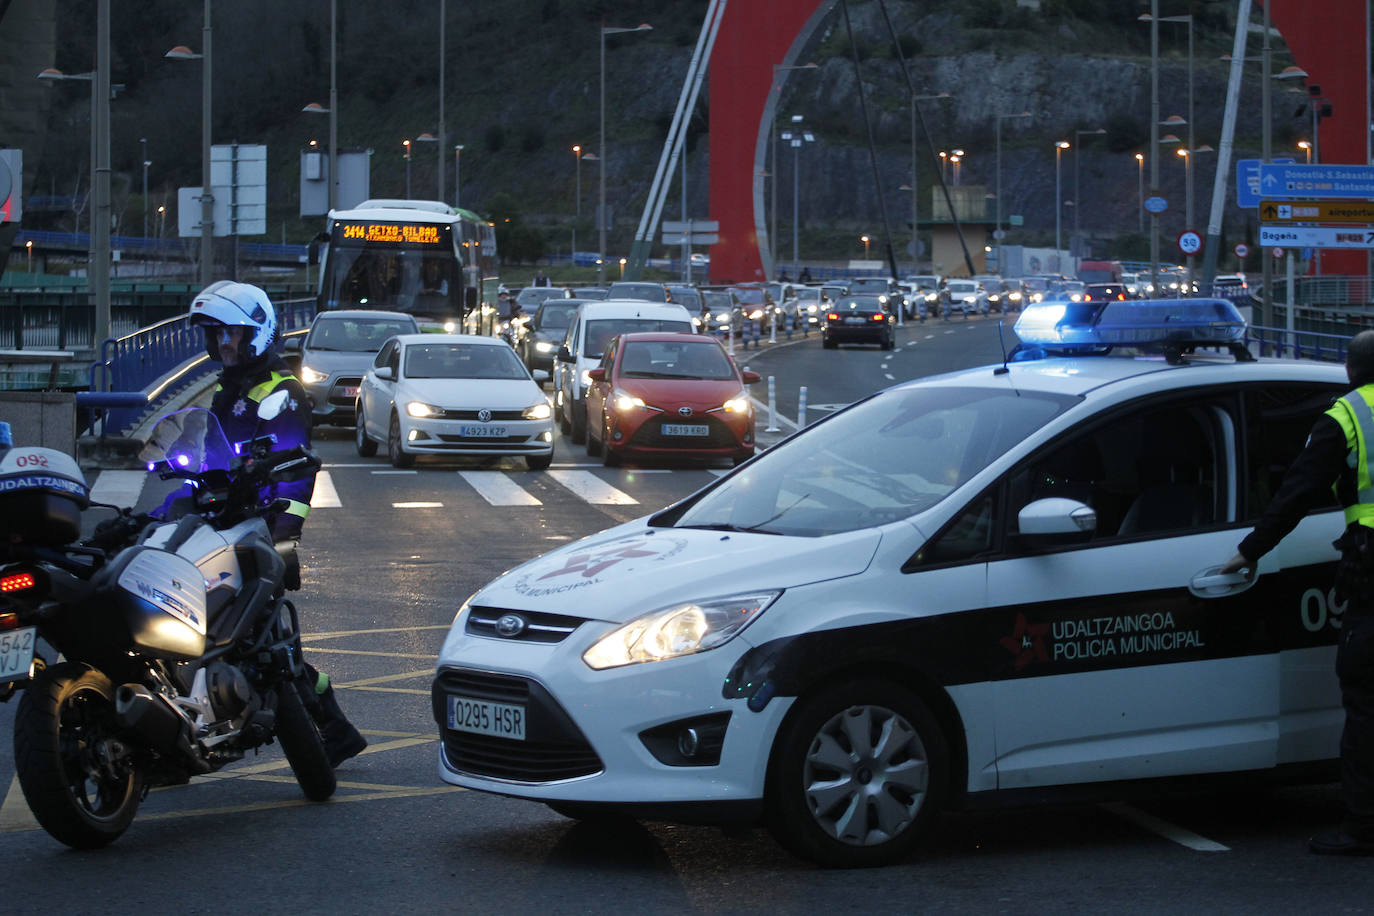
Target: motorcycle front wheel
[77, 776]
[300, 740]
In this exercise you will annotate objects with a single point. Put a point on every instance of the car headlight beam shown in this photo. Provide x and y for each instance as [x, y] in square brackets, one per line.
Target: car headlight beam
[310, 376]
[540, 411]
[421, 409]
[683, 629]
[623, 400]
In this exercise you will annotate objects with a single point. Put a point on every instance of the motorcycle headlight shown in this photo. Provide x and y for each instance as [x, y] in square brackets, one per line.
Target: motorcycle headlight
[623, 400]
[421, 409]
[310, 376]
[540, 411]
[544, 347]
[683, 629]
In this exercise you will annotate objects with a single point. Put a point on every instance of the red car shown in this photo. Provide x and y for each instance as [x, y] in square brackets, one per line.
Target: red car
[659, 395]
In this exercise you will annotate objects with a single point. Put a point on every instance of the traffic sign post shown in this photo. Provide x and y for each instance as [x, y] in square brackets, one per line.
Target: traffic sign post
[1189, 242]
[1242, 250]
[1342, 182]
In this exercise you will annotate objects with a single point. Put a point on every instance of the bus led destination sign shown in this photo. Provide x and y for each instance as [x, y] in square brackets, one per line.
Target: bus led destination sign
[392, 233]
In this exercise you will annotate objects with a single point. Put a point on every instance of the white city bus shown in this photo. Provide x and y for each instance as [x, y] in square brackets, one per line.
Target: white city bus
[421, 257]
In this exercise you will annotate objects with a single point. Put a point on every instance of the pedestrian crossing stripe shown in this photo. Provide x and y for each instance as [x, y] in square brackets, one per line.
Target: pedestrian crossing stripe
[592, 488]
[324, 495]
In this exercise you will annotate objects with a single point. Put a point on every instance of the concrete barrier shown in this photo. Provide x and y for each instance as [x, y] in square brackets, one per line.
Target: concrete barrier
[43, 418]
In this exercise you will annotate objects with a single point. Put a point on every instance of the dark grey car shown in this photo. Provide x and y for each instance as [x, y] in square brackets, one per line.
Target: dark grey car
[337, 352]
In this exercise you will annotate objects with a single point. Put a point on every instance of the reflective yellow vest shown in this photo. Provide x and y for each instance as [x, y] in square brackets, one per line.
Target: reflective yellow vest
[1355, 414]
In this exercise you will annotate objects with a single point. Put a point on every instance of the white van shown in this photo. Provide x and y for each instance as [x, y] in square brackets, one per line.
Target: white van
[592, 327]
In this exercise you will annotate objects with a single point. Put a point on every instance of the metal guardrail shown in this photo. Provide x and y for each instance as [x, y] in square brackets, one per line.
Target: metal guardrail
[1298, 344]
[155, 362]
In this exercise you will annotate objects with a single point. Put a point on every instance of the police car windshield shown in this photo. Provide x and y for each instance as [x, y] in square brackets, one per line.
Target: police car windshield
[889, 457]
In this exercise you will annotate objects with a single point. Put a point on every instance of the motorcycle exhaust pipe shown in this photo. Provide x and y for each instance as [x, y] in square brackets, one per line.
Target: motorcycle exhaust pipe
[152, 719]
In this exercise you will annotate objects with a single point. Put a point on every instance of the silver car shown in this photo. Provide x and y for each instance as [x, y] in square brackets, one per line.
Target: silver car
[336, 353]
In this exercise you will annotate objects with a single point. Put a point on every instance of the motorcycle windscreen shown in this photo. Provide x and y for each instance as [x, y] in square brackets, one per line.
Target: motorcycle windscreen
[187, 440]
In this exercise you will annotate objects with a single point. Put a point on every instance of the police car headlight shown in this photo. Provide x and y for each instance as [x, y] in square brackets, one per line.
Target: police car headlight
[540, 411]
[683, 629]
[544, 347]
[421, 409]
[310, 376]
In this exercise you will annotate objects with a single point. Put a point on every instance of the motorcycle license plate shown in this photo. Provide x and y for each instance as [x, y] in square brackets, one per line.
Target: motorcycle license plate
[16, 653]
[482, 717]
[482, 432]
[675, 429]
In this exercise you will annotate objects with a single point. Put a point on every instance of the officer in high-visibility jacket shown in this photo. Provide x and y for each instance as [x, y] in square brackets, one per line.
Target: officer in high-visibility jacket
[1337, 455]
[240, 326]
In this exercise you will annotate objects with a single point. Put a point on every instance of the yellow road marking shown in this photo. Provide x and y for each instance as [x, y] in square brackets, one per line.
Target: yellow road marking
[333, 651]
[337, 633]
[384, 679]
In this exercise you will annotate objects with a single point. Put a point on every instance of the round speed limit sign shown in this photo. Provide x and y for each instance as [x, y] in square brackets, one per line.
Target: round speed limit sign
[1189, 242]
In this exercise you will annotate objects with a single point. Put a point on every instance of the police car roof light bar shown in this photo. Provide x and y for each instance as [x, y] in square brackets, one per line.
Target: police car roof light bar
[1170, 326]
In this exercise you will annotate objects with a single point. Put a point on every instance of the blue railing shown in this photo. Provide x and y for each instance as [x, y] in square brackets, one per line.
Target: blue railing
[1298, 344]
[141, 369]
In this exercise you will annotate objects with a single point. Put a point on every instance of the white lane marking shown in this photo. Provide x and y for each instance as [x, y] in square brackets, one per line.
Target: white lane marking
[761, 411]
[395, 472]
[359, 465]
[930, 337]
[417, 505]
[119, 488]
[498, 489]
[889, 376]
[592, 488]
[950, 331]
[588, 464]
[1180, 835]
[325, 496]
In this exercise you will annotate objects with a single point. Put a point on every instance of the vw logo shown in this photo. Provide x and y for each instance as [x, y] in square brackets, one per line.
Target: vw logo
[684, 411]
[484, 415]
[510, 625]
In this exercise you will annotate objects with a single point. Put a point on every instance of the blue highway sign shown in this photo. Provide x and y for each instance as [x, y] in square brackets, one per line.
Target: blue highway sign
[1248, 192]
[1341, 182]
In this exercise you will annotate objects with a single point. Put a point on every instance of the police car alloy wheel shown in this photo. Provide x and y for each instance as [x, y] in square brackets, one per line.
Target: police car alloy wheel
[858, 771]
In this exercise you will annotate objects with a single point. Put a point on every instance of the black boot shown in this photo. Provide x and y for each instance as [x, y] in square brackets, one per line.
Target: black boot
[341, 739]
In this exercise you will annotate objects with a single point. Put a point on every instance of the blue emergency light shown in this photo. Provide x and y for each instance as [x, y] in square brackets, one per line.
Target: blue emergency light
[1167, 325]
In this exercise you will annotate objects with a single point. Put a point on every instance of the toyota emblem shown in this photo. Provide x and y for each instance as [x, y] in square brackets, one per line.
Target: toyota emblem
[684, 411]
[484, 415]
[510, 625]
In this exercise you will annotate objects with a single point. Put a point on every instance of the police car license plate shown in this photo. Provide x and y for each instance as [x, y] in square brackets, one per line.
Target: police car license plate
[482, 432]
[677, 429]
[481, 717]
[16, 653]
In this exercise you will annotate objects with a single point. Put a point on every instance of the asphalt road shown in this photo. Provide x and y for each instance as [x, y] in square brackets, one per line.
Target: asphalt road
[387, 566]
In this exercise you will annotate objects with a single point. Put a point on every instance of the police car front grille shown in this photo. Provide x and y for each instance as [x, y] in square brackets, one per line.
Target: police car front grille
[555, 748]
[539, 627]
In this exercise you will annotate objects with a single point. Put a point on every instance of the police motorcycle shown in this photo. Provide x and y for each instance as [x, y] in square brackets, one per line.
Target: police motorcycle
[179, 652]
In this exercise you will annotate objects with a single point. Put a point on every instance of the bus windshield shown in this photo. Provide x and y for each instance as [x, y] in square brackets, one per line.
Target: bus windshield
[412, 273]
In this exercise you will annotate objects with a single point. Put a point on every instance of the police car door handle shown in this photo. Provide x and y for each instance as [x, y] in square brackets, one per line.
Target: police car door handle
[1213, 584]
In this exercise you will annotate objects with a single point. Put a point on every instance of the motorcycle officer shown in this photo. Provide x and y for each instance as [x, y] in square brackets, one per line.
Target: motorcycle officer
[1338, 453]
[240, 326]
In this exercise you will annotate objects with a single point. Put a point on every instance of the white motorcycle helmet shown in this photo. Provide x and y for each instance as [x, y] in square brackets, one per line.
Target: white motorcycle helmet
[233, 304]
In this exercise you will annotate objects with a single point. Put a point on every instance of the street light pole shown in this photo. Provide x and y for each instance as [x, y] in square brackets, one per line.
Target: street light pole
[406, 144]
[601, 190]
[439, 145]
[1140, 191]
[143, 148]
[797, 138]
[457, 185]
[997, 235]
[577, 202]
[915, 237]
[333, 104]
[1059, 148]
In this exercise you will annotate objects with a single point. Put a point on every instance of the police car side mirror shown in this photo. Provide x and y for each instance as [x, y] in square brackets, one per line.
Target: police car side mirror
[272, 405]
[1056, 516]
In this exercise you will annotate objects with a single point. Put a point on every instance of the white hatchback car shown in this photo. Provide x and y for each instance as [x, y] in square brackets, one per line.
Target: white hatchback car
[994, 586]
[452, 394]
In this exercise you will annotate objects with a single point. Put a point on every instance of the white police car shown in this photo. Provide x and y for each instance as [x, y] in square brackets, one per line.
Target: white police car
[982, 587]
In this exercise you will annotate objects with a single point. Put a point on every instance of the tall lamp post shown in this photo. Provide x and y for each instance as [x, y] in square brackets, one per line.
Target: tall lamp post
[773, 167]
[457, 184]
[997, 234]
[143, 148]
[797, 138]
[955, 159]
[1187, 156]
[406, 144]
[430, 138]
[1059, 147]
[915, 236]
[207, 192]
[1078, 136]
[1140, 190]
[1146, 17]
[577, 202]
[1306, 146]
[601, 190]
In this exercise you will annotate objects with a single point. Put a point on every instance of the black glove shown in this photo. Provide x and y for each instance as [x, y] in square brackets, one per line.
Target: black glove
[118, 531]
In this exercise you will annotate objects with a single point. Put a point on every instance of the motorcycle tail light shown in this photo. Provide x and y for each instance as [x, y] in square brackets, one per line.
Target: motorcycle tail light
[9, 621]
[17, 582]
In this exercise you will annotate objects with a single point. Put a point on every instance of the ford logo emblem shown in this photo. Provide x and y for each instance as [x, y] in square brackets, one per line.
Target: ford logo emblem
[684, 411]
[510, 625]
[484, 415]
